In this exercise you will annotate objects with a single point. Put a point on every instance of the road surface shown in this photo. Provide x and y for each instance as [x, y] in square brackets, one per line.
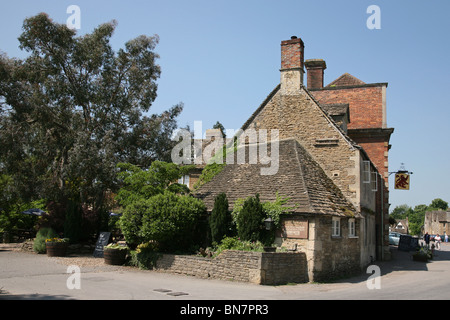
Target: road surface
[32, 276]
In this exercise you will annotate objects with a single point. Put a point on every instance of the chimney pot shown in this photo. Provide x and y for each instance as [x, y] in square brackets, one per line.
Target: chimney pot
[315, 69]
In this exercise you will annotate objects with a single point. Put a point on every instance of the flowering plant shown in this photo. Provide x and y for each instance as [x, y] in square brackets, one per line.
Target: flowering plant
[116, 246]
[58, 240]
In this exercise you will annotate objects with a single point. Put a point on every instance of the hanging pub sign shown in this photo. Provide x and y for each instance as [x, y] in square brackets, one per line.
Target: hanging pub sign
[402, 178]
[402, 181]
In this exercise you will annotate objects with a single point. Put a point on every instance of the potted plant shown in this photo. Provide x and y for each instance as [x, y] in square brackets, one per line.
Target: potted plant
[56, 247]
[423, 254]
[115, 254]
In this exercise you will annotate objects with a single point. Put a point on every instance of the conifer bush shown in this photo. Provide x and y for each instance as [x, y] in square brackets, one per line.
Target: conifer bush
[220, 220]
[250, 220]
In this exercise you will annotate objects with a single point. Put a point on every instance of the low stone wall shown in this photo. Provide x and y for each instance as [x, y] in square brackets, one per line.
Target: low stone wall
[268, 268]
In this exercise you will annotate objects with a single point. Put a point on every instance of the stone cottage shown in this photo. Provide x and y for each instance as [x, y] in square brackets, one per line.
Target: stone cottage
[400, 226]
[323, 223]
[321, 168]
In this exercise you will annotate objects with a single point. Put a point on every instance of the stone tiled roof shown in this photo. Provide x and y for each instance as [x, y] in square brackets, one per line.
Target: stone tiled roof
[346, 80]
[299, 177]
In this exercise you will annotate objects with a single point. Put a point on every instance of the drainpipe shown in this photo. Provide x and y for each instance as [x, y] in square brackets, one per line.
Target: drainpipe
[382, 217]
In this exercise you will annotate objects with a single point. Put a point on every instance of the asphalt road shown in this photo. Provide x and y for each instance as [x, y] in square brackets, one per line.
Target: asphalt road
[31, 276]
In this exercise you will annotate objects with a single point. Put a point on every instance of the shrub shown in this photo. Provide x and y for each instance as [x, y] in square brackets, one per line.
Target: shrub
[277, 208]
[234, 243]
[274, 210]
[167, 218]
[42, 235]
[145, 256]
[131, 222]
[220, 220]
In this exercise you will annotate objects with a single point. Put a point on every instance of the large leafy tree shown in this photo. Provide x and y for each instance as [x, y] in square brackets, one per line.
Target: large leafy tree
[74, 108]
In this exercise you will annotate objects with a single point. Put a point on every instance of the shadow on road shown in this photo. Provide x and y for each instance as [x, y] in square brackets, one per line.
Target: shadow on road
[402, 261]
[8, 296]
[442, 255]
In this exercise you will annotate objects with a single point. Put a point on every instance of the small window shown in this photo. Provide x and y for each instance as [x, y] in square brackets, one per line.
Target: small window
[374, 181]
[336, 227]
[366, 172]
[351, 228]
[184, 180]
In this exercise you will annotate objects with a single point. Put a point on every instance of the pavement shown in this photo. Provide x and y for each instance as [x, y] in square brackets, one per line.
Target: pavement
[37, 277]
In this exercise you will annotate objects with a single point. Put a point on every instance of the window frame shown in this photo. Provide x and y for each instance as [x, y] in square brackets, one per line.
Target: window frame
[366, 174]
[335, 227]
[352, 228]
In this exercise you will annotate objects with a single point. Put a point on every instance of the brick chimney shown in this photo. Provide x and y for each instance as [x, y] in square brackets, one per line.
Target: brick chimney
[292, 60]
[315, 68]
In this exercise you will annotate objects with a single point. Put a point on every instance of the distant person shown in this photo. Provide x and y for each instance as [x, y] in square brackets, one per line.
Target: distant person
[446, 237]
[426, 238]
[437, 240]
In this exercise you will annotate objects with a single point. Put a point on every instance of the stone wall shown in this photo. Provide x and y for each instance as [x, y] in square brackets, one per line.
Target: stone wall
[330, 257]
[437, 222]
[268, 268]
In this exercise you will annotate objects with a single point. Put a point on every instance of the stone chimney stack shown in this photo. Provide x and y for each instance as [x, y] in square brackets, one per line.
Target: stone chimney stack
[292, 60]
[315, 68]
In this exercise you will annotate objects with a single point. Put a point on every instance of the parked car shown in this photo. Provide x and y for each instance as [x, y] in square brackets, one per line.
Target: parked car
[394, 238]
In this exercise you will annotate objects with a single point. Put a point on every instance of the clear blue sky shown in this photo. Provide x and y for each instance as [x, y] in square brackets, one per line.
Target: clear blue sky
[222, 58]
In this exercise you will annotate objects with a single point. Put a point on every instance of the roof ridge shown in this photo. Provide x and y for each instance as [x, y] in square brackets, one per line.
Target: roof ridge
[261, 106]
[320, 180]
[296, 144]
[355, 79]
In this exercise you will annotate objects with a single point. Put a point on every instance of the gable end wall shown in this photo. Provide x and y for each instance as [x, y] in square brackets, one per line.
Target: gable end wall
[298, 116]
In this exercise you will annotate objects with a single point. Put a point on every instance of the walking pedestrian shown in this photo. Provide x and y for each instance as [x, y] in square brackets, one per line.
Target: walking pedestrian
[446, 237]
[426, 238]
[437, 240]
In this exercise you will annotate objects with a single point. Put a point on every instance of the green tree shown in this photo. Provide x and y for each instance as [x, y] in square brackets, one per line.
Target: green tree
[416, 219]
[438, 204]
[220, 220]
[400, 212]
[137, 183]
[74, 108]
[220, 126]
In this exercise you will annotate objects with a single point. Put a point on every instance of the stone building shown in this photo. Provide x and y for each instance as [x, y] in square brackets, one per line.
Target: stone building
[367, 124]
[437, 222]
[323, 126]
[323, 223]
[314, 139]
